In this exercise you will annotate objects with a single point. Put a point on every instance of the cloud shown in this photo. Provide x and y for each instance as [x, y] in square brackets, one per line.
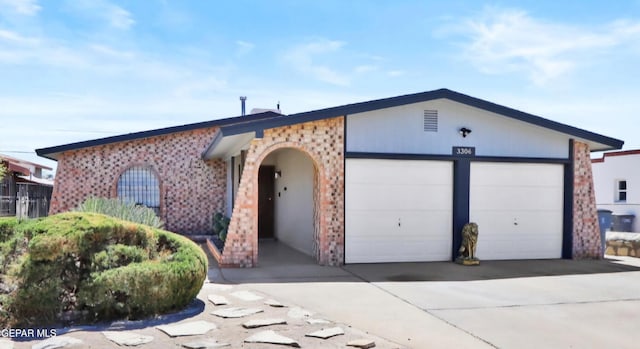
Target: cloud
[16, 39]
[23, 7]
[505, 41]
[244, 47]
[396, 73]
[116, 16]
[303, 58]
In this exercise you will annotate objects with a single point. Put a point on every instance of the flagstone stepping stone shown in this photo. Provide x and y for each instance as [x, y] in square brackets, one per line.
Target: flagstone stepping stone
[130, 339]
[318, 321]
[6, 344]
[326, 333]
[273, 303]
[263, 322]
[193, 328]
[271, 337]
[217, 299]
[58, 342]
[205, 344]
[361, 343]
[298, 313]
[246, 296]
[236, 312]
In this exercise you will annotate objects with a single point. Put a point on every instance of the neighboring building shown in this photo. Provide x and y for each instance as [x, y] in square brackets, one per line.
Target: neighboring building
[387, 180]
[616, 177]
[24, 177]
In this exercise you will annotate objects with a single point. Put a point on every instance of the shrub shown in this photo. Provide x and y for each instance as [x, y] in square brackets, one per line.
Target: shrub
[127, 211]
[220, 225]
[89, 267]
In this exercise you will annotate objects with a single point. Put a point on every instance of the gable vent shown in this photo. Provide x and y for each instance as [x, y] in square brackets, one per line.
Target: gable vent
[430, 121]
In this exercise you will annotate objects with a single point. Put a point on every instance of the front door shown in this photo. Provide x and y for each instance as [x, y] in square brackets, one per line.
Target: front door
[266, 177]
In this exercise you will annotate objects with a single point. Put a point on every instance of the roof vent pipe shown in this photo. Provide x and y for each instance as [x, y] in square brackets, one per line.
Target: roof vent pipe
[243, 100]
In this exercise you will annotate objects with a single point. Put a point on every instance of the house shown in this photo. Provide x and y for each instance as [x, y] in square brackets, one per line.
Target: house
[24, 177]
[387, 180]
[616, 180]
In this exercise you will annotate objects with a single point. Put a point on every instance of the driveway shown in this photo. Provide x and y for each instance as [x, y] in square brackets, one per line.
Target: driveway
[499, 304]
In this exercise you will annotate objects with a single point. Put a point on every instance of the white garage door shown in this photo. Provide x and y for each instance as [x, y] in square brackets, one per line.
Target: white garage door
[518, 208]
[398, 210]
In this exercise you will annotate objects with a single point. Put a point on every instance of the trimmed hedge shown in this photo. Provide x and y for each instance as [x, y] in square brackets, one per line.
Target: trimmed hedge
[87, 267]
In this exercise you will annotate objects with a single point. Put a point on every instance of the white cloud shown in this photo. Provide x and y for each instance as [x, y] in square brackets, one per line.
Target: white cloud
[116, 16]
[365, 68]
[304, 58]
[244, 47]
[505, 41]
[23, 7]
[396, 73]
[15, 38]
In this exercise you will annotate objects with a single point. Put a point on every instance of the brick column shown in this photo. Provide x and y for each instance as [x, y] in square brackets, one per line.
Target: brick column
[586, 232]
[323, 142]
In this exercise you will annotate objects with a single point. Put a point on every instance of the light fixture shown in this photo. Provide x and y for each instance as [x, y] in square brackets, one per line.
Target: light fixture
[278, 174]
[464, 131]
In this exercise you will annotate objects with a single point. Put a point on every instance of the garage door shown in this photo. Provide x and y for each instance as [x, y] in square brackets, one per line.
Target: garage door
[398, 210]
[518, 208]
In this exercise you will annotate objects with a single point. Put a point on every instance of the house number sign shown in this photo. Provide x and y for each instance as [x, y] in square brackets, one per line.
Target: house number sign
[464, 151]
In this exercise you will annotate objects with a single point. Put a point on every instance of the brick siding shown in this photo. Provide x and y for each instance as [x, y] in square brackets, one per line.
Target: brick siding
[586, 232]
[323, 142]
[191, 190]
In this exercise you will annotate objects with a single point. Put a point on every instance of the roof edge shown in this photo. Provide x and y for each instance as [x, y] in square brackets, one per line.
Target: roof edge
[52, 152]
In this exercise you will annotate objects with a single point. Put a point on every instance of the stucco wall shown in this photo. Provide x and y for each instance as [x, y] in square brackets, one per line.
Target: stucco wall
[401, 130]
[586, 232]
[610, 169]
[191, 189]
[323, 142]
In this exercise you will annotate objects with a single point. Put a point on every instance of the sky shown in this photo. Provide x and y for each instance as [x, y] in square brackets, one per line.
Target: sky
[84, 69]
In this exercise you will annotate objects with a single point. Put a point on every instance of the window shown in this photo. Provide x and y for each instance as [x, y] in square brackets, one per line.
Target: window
[139, 184]
[621, 191]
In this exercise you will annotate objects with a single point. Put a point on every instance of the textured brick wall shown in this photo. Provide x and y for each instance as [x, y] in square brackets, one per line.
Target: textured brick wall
[191, 189]
[586, 232]
[323, 142]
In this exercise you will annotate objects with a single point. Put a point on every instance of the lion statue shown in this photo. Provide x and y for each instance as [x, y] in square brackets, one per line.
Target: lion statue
[467, 249]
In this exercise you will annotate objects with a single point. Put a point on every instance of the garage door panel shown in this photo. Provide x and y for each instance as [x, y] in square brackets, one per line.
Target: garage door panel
[518, 208]
[519, 174]
[527, 198]
[383, 197]
[398, 211]
[388, 173]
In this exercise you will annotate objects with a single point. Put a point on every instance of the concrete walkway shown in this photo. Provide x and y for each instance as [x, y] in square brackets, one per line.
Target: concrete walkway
[499, 304]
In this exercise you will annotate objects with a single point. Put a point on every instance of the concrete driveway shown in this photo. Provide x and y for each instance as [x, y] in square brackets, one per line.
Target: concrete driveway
[499, 304]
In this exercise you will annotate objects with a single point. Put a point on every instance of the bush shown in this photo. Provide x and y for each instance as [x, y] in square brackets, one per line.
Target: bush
[88, 267]
[220, 225]
[127, 211]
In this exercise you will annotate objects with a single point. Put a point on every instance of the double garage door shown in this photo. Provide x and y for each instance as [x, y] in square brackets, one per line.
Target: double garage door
[401, 210]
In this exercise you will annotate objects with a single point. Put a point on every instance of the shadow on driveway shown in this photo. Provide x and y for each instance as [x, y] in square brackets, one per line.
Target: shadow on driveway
[487, 270]
[279, 263]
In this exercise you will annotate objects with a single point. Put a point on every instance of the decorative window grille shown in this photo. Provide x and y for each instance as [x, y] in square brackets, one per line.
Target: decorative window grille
[430, 121]
[140, 185]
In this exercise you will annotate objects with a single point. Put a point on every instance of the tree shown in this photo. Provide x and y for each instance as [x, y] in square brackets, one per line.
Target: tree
[3, 170]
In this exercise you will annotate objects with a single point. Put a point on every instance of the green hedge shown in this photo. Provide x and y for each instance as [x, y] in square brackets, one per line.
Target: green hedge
[87, 267]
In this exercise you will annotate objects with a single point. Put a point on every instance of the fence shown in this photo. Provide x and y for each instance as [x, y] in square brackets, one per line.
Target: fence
[24, 200]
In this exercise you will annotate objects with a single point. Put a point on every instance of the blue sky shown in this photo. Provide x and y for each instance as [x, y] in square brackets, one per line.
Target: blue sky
[83, 69]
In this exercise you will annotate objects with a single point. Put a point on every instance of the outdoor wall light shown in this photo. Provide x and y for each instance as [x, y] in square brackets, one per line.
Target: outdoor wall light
[278, 174]
[464, 131]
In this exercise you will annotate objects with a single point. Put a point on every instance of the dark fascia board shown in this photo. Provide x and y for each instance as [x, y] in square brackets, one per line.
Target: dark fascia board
[49, 152]
[417, 98]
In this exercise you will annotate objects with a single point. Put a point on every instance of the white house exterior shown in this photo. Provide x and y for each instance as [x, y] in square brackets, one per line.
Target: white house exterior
[616, 178]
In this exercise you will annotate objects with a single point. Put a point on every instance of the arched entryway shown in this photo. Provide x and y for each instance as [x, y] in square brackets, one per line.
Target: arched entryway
[287, 204]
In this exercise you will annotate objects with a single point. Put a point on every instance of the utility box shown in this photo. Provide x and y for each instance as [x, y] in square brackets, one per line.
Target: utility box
[623, 222]
[605, 222]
